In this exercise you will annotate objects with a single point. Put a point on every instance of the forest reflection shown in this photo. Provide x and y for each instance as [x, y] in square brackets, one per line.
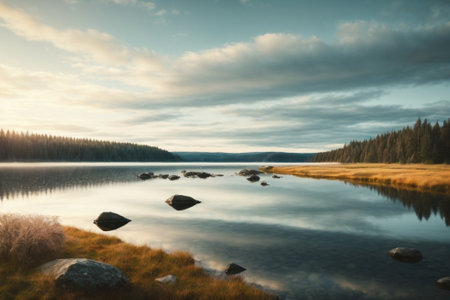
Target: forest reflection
[424, 204]
[24, 182]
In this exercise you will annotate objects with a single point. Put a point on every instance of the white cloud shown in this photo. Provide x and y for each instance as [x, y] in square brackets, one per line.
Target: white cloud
[161, 12]
[175, 12]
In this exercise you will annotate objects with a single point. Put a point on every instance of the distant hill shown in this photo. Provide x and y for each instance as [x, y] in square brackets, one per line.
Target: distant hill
[34, 147]
[245, 157]
[423, 143]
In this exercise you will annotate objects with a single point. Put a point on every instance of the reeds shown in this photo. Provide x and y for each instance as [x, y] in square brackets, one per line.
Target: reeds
[26, 239]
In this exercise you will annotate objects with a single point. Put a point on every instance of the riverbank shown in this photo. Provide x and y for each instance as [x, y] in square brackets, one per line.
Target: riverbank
[140, 264]
[421, 177]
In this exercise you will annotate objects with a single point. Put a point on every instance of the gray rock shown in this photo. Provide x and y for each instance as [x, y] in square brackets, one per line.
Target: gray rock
[145, 176]
[194, 174]
[409, 255]
[181, 202]
[443, 283]
[174, 177]
[84, 274]
[167, 279]
[246, 172]
[253, 178]
[233, 269]
[163, 176]
[107, 221]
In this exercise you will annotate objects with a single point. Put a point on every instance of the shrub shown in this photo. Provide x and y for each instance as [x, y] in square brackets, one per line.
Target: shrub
[29, 238]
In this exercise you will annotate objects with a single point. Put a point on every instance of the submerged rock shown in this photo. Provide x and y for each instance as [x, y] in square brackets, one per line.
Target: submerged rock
[253, 178]
[233, 269]
[263, 183]
[167, 279]
[174, 177]
[245, 172]
[276, 176]
[443, 283]
[409, 255]
[107, 221]
[84, 274]
[180, 202]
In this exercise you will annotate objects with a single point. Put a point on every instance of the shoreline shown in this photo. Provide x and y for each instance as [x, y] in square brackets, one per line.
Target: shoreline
[418, 177]
[141, 264]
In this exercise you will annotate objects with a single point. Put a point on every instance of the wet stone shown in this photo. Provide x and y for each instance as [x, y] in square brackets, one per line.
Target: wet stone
[107, 221]
[253, 178]
[233, 269]
[409, 255]
[443, 283]
[181, 202]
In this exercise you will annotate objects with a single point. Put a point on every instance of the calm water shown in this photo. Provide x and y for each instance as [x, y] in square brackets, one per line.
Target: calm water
[302, 238]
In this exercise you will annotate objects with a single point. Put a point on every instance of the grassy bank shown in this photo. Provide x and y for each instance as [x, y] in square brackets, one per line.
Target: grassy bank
[422, 177]
[140, 264]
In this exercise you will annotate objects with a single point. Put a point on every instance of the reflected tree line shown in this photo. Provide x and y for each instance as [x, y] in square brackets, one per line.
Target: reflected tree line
[424, 204]
[423, 143]
[16, 182]
[21, 182]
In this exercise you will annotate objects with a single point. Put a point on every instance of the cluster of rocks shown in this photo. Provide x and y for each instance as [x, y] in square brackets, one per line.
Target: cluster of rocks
[412, 256]
[188, 174]
[252, 176]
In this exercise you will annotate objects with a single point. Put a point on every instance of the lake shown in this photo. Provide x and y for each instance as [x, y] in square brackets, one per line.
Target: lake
[298, 237]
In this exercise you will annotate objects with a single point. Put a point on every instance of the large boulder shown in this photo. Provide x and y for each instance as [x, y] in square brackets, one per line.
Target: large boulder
[443, 283]
[174, 177]
[180, 202]
[107, 221]
[409, 255]
[145, 176]
[84, 274]
[233, 269]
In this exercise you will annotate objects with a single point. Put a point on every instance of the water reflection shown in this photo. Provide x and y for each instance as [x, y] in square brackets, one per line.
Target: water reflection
[424, 204]
[303, 238]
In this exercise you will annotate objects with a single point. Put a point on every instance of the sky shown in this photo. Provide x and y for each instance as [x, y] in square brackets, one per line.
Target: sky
[223, 75]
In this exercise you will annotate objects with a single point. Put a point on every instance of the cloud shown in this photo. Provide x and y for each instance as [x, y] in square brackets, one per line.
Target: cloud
[161, 12]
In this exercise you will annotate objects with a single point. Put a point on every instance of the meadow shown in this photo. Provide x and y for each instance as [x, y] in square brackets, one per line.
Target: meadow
[422, 177]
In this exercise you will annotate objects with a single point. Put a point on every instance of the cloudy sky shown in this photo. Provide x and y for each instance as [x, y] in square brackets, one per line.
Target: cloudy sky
[223, 75]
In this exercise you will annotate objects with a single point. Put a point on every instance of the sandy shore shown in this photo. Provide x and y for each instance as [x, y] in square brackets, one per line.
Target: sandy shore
[433, 178]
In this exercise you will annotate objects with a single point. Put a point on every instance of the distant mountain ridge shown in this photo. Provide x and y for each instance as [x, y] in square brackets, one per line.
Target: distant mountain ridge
[244, 157]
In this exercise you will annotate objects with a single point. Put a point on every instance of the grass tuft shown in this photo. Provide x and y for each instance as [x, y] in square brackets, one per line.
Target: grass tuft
[26, 240]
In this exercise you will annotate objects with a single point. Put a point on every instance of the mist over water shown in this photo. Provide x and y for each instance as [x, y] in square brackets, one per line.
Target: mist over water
[302, 238]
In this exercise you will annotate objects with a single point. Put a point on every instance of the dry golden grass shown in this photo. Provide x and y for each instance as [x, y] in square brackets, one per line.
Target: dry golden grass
[26, 239]
[140, 264]
[435, 178]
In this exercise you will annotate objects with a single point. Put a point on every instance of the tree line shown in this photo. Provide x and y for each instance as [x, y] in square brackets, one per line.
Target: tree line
[21, 146]
[423, 143]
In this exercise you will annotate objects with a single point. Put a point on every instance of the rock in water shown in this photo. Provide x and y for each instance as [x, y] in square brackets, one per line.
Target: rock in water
[409, 255]
[233, 268]
[253, 178]
[145, 176]
[167, 279]
[180, 202]
[263, 183]
[84, 274]
[245, 172]
[174, 177]
[276, 176]
[443, 283]
[107, 221]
